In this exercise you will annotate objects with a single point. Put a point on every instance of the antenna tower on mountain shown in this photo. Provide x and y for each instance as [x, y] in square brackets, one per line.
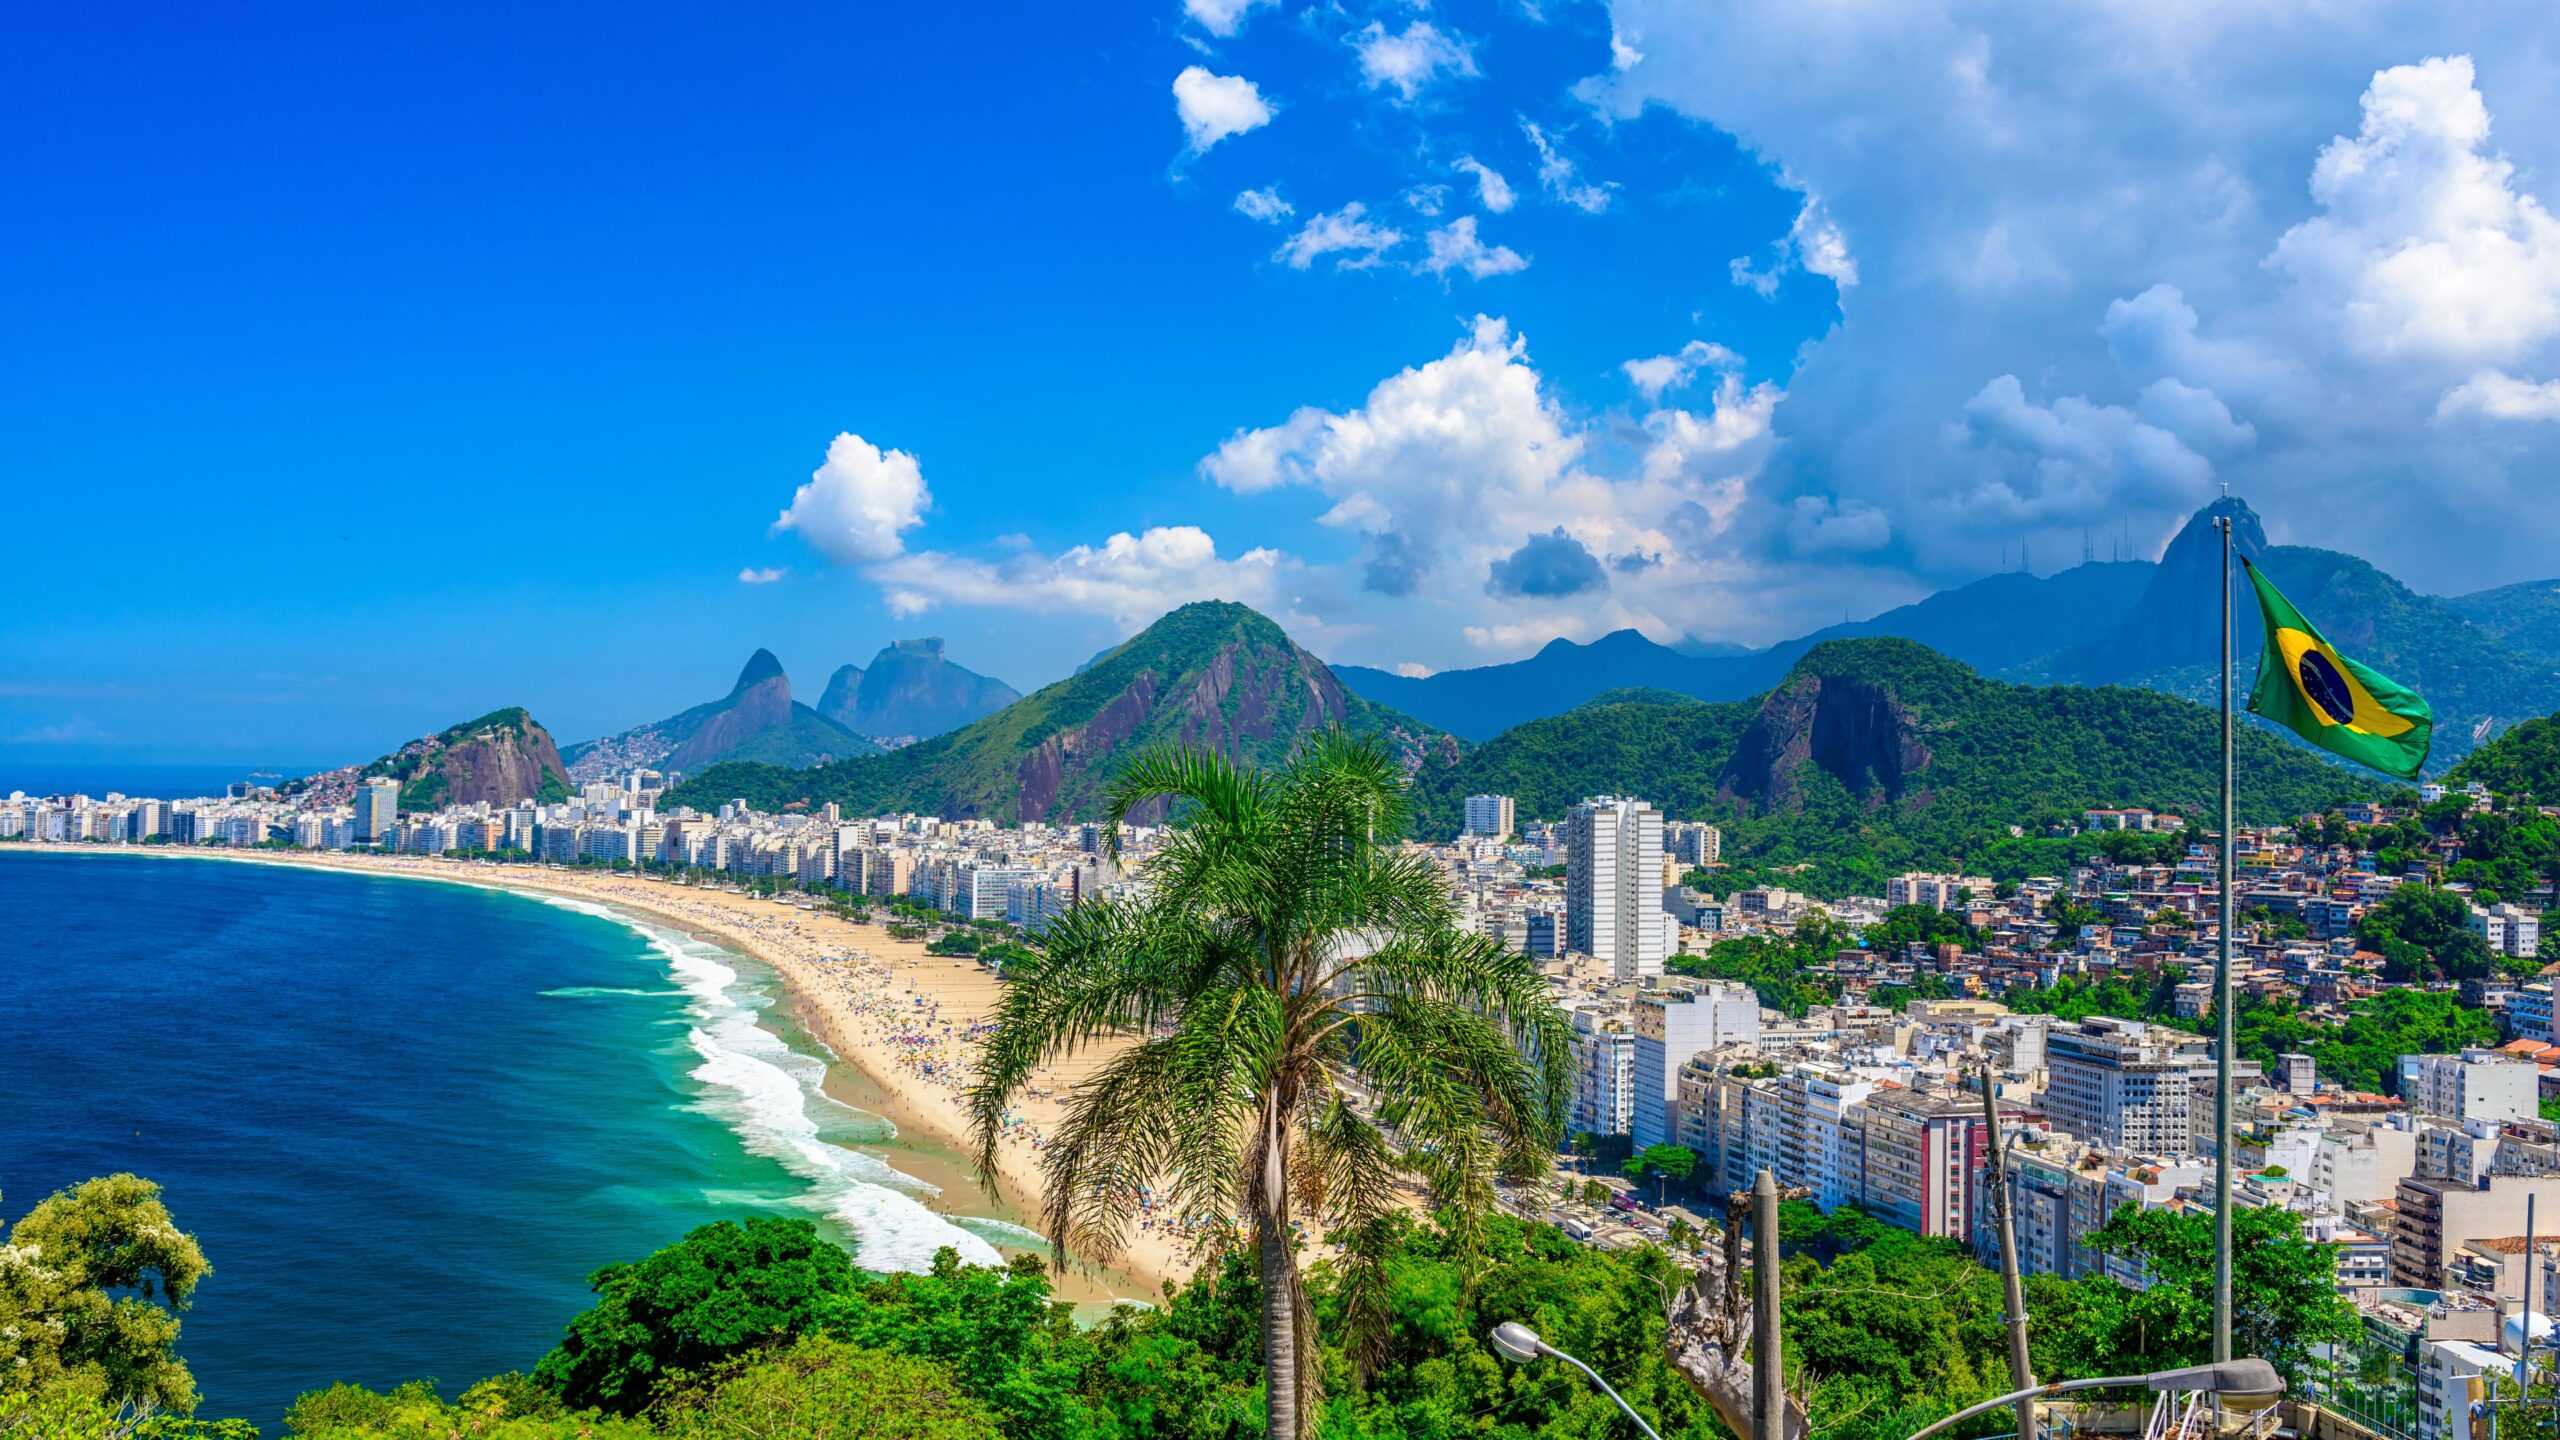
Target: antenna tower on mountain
[2088, 547]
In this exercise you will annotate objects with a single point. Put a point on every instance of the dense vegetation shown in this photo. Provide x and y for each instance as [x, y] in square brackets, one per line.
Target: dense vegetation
[1261, 689]
[2523, 761]
[1667, 749]
[763, 1329]
[2523, 616]
[1991, 756]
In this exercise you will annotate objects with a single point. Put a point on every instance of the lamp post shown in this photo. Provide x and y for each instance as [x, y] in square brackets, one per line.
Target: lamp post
[2237, 1382]
[1519, 1344]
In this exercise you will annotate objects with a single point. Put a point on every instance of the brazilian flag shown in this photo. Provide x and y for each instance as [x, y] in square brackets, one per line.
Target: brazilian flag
[2305, 685]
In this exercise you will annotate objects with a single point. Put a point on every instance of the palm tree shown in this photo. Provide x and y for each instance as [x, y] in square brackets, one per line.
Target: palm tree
[1300, 1019]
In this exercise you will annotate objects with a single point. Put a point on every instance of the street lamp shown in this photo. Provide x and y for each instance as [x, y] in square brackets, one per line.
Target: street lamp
[2244, 1384]
[1519, 1344]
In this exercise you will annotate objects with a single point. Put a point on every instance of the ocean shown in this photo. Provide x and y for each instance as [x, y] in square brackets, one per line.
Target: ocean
[405, 1119]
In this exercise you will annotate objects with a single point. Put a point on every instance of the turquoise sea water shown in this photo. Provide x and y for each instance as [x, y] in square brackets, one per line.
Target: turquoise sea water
[407, 1119]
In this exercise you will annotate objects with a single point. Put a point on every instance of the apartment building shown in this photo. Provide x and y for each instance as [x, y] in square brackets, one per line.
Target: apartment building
[1613, 887]
[2127, 1085]
[1670, 1028]
[2474, 1085]
[2437, 1217]
[1926, 1155]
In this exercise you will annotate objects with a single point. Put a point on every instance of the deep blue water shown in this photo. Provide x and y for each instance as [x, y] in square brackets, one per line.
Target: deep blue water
[404, 1119]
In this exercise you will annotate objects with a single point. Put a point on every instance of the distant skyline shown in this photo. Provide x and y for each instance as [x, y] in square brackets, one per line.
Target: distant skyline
[373, 370]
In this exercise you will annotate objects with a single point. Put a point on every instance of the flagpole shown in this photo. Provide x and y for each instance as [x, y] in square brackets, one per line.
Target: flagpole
[2222, 1006]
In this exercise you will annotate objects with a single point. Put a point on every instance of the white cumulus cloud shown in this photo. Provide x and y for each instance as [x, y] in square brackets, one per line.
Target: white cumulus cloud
[857, 506]
[1656, 373]
[2275, 245]
[1216, 107]
[1347, 233]
[2501, 396]
[1455, 246]
[1492, 191]
[1221, 18]
[766, 576]
[1130, 579]
[1408, 61]
[2424, 248]
[1264, 205]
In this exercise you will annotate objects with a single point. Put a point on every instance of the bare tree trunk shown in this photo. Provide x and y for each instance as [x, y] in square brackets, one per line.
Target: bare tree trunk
[1279, 1297]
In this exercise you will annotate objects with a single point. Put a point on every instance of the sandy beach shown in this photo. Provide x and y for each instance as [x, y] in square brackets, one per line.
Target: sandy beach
[909, 1022]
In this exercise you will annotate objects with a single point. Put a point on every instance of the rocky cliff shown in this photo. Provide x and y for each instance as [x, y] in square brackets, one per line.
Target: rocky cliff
[502, 758]
[1847, 727]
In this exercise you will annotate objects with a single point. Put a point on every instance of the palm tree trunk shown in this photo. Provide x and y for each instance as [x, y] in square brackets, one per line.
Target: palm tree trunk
[1279, 1297]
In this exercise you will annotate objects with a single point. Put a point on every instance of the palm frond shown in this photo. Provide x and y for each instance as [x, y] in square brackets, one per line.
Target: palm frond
[1104, 968]
[1203, 777]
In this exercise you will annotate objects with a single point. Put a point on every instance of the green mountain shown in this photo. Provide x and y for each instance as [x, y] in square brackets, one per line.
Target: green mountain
[2475, 679]
[911, 692]
[2523, 761]
[2522, 617]
[502, 758]
[1211, 673]
[757, 720]
[1994, 623]
[1888, 751]
[2483, 661]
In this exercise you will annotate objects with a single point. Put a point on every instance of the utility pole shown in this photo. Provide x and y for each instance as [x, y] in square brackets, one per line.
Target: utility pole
[2222, 1017]
[2022, 1373]
[1768, 1372]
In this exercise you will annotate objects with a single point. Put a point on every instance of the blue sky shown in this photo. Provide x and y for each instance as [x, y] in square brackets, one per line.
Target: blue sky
[372, 369]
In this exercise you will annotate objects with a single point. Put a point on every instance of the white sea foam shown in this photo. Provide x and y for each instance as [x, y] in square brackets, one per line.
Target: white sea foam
[769, 1095]
[591, 992]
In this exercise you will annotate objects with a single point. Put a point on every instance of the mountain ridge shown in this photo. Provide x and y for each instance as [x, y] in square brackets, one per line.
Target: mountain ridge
[1990, 624]
[2484, 661]
[756, 720]
[1209, 673]
[911, 691]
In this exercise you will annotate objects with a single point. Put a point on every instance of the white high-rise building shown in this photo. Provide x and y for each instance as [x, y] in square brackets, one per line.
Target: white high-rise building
[2126, 1085]
[377, 809]
[1489, 817]
[2474, 1085]
[1613, 887]
[1671, 1029]
[1604, 1082]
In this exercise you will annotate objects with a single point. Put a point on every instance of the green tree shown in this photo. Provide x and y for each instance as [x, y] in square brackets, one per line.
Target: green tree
[995, 1329]
[1906, 925]
[725, 1288]
[2420, 933]
[92, 1282]
[1284, 950]
[825, 1389]
[1662, 1162]
[2284, 1298]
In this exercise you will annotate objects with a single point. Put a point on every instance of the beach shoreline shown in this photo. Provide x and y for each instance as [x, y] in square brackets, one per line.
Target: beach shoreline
[904, 1020]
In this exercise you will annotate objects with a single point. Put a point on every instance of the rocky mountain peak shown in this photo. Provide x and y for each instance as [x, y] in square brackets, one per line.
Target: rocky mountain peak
[761, 667]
